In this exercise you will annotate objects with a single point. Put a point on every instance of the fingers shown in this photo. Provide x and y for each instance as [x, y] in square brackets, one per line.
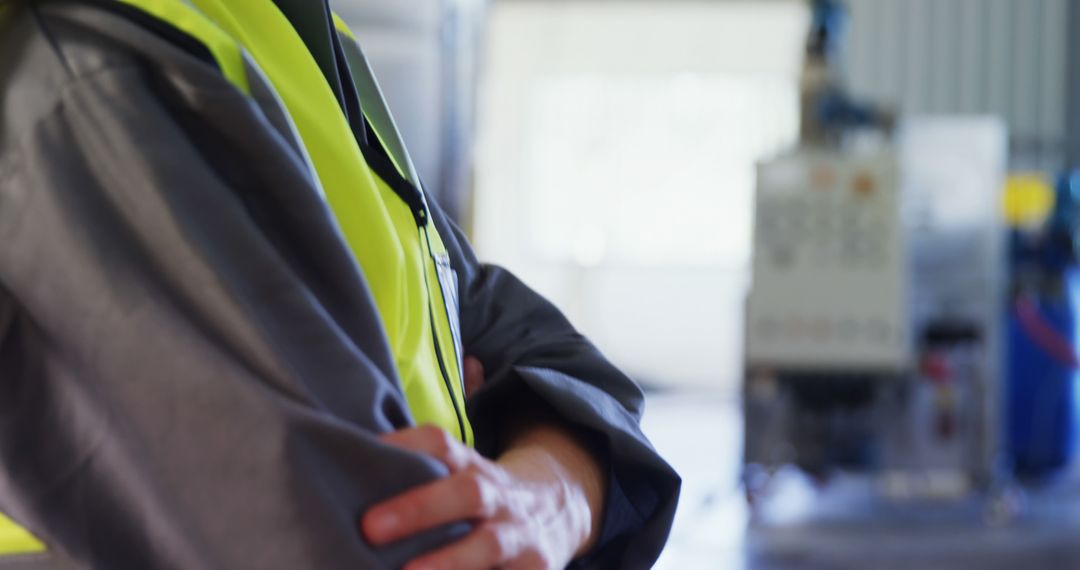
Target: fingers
[436, 442]
[455, 498]
[460, 497]
[488, 546]
[474, 376]
[502, 506]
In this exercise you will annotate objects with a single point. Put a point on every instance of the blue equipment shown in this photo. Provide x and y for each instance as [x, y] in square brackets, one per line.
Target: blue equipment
[1042, 326]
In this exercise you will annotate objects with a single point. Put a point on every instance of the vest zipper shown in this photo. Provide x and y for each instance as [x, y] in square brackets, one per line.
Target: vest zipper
[379, 161]
[435, 337]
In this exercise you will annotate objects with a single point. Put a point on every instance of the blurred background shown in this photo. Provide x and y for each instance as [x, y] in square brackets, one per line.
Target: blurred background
[834, 240]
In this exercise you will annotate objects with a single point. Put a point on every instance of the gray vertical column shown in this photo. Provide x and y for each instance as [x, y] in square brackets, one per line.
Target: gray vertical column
[1053, 83]
[1072, 92]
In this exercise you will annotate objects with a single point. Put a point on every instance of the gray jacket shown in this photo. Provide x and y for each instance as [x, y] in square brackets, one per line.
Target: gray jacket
[192, 371]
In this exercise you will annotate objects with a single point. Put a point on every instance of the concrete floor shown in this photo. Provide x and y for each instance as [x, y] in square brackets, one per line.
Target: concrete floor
[844, 526]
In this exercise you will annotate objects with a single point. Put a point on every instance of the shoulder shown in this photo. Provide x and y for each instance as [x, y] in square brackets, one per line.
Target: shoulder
[48, 47]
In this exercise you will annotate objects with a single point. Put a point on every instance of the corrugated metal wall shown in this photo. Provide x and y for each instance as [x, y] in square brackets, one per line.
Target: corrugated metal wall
[1003, 57]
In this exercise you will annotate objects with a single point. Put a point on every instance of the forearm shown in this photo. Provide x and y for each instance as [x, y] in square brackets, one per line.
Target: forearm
[553, 455]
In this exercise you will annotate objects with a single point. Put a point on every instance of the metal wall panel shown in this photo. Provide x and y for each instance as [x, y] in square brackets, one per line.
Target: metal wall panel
[1003, 57]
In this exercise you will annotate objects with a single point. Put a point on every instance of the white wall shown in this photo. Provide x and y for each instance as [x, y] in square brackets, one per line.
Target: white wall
[634, 213]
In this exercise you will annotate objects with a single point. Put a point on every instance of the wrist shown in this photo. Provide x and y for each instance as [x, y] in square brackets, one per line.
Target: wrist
[551, 456]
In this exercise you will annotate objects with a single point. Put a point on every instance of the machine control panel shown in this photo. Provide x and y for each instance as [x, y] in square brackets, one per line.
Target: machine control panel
[828, 264]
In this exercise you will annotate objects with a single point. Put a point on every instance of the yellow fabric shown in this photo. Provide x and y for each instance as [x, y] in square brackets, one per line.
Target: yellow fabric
[377, 225]
[395, 255]
[188, 20]
[343, 27]
[425, 396]
[14, 540]
[349, 184]
[421, 375]
[1028, 200]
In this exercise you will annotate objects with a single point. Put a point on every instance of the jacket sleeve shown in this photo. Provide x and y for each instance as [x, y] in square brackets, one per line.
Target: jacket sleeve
[534, 358]
[192, 373]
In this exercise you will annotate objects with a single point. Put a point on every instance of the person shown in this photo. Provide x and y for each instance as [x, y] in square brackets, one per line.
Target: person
[234, 333]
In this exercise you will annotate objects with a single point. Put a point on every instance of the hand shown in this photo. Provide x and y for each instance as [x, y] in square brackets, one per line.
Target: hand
[537, 507]
[474, 376]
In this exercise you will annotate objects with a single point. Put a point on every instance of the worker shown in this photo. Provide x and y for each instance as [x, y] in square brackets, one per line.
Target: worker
[235, 333]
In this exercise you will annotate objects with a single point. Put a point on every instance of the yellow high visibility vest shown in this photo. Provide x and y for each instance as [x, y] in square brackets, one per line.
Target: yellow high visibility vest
[14, 540]
[400, 252]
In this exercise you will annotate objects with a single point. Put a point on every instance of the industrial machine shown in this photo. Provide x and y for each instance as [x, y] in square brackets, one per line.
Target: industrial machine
[874, 316]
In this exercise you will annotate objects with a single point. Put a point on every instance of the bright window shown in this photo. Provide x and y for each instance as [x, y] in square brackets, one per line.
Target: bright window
[618, 144]
[673, 154]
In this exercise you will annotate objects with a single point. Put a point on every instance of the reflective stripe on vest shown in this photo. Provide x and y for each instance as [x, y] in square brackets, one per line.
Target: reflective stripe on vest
[402, 256]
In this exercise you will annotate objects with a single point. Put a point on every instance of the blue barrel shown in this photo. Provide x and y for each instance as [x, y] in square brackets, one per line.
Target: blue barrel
[1041, 393]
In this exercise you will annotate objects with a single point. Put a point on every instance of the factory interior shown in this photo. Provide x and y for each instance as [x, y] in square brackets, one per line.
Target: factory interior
[835, 241]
